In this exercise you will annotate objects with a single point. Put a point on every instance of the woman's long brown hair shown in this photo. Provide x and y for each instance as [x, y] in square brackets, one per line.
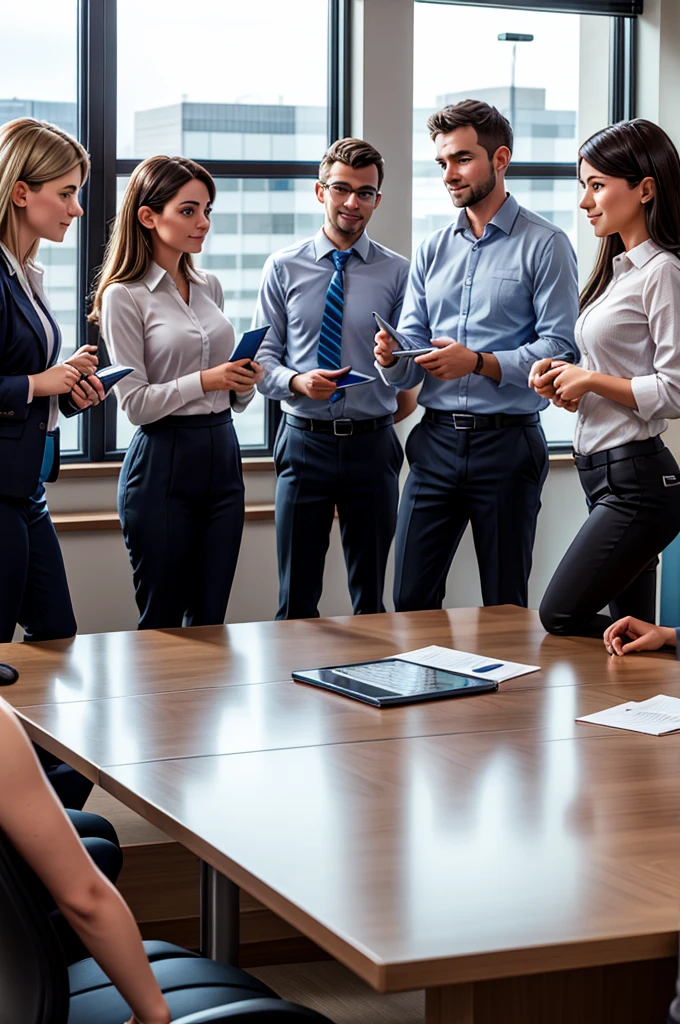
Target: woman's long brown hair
[634, 150]
[129, 252]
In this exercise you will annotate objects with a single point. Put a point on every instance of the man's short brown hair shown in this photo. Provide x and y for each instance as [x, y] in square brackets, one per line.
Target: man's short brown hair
[354, 153]
[493, 130]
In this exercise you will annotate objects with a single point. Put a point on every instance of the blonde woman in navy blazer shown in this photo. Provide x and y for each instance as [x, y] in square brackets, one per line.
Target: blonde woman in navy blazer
[41, 171]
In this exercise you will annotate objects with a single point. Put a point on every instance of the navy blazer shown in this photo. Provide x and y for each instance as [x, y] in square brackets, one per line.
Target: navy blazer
[23, 424]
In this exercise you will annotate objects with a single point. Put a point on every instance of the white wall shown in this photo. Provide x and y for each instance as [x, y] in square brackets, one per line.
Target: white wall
[97, 564]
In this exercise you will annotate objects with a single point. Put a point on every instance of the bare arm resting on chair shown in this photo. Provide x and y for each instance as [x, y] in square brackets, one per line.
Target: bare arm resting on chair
[34, 821]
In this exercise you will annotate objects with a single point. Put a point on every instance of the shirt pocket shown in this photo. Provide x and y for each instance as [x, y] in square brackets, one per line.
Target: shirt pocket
[507, 291]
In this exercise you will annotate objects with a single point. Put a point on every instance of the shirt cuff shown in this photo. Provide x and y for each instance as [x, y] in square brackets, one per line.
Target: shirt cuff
[511, 371]
[239, 402]
[190, 387]
[395, 374]
[30, 391]
[646, 395]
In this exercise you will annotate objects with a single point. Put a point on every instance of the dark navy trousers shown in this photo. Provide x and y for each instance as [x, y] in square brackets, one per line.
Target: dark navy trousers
[489, 478]
[181, 505]
[316, 473]
[33, 587]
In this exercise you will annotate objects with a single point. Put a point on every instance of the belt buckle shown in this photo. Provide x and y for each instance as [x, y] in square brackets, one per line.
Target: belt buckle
[458, 417]
[346, 427]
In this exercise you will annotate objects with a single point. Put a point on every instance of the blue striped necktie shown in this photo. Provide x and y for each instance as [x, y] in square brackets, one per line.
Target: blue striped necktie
[330, 337]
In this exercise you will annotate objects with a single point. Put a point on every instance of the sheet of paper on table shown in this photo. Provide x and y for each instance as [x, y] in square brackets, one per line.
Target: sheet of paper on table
[468, 664]
[657, 716]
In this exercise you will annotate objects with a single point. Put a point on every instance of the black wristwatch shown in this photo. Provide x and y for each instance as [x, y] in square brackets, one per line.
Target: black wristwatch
[480, 363]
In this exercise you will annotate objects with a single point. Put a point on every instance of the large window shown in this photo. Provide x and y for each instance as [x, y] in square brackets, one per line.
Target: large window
[531, 65]
[133, 79]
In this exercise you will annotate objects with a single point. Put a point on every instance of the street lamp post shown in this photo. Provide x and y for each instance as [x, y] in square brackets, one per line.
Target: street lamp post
[514, 38]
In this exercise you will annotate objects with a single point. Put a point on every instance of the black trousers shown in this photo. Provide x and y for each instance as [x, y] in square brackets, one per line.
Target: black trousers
[181, 505]
[316, 472]
[489, 478]
[634, 513]
[33, 587]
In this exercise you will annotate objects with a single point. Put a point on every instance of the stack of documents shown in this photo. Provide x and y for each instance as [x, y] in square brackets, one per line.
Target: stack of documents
[657, 716]
[467, 664]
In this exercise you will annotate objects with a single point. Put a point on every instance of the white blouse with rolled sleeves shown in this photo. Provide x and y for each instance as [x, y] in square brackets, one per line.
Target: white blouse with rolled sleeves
[147, 324]
[632, 331]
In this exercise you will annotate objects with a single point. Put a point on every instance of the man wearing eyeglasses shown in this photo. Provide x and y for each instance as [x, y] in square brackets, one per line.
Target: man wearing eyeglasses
[336, 446]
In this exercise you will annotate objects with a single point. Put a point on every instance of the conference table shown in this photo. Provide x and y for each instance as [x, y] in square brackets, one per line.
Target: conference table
[488, 849]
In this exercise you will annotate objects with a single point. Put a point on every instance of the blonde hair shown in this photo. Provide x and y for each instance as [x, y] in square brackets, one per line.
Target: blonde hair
[129, 251]
[33, 152]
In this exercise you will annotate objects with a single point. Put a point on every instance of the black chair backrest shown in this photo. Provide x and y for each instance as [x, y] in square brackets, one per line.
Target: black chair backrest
[33, 975]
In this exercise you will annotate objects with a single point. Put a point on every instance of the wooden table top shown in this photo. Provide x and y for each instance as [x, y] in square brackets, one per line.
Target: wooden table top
[422, 846]
[435, 860]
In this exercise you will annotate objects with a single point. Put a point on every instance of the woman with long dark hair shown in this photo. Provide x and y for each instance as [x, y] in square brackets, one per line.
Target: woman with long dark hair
[627, 384]
[180, 493]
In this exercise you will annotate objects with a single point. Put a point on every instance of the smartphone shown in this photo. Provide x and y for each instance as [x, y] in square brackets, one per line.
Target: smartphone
[411, 353]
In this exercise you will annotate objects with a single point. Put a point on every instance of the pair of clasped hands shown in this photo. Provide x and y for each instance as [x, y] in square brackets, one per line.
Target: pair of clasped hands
[564, 384]
[74, 377]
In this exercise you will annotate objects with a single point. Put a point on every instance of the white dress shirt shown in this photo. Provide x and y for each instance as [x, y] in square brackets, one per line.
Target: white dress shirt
[147, 324]
[30, 276]
[632, 331]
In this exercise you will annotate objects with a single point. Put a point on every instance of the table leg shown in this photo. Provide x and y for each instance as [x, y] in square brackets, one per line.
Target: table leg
[450, 1004]
[219, 916]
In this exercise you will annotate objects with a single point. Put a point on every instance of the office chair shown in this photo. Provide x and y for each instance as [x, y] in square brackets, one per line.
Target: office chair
[38, 988]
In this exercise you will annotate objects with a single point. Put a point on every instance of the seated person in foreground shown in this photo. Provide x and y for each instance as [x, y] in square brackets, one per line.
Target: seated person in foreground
[36, 824]
[628, 634]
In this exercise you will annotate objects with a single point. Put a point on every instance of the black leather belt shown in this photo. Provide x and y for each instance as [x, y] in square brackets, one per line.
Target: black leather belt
[341, 427]
[203, 419]
[471, 421]
[650, 446]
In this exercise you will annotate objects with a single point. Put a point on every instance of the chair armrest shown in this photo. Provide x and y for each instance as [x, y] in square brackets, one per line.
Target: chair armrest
[255, 1011]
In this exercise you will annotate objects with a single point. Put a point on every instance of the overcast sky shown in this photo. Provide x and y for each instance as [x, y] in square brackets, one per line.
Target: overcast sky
[259, 51]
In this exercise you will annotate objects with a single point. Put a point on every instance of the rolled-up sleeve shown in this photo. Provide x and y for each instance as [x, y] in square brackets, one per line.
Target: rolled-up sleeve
[122, 327]
[271, 309]
[556, 310]
[658, 394]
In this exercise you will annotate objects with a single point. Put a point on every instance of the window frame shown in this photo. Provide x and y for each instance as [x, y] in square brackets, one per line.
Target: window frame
[97, 110]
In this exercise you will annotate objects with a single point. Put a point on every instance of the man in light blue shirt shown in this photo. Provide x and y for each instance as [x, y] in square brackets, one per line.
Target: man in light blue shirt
[492, 292]
[336, 447]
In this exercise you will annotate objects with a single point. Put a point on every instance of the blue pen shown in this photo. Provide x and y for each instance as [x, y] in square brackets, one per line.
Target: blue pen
[488, 668]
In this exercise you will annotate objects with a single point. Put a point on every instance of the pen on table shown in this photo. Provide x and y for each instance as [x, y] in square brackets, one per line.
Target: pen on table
[488, 668]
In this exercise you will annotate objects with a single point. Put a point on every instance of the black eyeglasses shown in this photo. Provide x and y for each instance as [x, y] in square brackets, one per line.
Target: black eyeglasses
[340, 193]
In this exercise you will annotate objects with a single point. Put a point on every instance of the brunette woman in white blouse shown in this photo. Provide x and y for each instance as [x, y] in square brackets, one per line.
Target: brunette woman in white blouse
[627, 384]
[180, 495]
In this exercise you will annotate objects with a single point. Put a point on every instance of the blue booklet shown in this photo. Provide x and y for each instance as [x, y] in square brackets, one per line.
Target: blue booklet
[108, 375]
[249, 344]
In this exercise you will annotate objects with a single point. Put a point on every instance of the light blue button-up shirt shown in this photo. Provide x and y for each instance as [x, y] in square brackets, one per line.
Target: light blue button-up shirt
[292, 299]
[512, 292]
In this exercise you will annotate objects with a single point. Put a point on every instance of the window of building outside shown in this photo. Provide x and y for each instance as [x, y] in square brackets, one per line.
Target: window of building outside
[534, 83]
[38, 61]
